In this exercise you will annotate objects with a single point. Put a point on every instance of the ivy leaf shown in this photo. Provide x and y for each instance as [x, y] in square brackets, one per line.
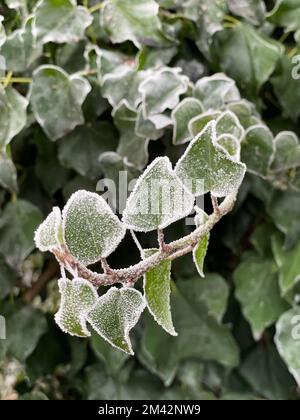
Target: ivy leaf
[60, 21]
[253, 11]
[205, 160]
[199, 254]
[131, 146]
[198, 124]
[13, 115]
[56, 100]
[215, 91]
[18, 222]
[287, 152]
[258, 150]
[147, 129]
[256, 281]
[8, 279]
[115, 314]
[286, 13]
[287, 340]
[258, 56]
[162, 90]
[49, 233]
[77, 298]
[8, 174]
[287, 262]
[158, 199]
[133, 20]
[228, 123]
[231, 145]
[157, 290]
[182, 115]
[91, 230]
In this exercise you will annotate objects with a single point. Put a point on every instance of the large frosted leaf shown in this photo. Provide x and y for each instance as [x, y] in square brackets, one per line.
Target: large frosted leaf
[77, 298]
[115, 314]
[158, 199]
[133, 20]
[91, 230]
[215, 91]
[258, 150]
[204, 160]
[287, 340]
[257, 289]
[60, 21]
[157, 290]
[287, 152]
[8, 174]
[187, 109]
[12, 114]
[162, 90]
[56, 100]
[48, 235]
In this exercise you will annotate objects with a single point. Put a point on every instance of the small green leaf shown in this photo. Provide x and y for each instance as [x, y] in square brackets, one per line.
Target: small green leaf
[231, 145]
[199, 254]
[115, 314]
[91, 230]
[158, 199]
[60, 21]
[157, 290]
[56, 100]
[77, 298]
[253, 11]
[48, 234]
[204, 160]
[287, 340]
[198, 124]
[228, 123]
[287, 152]
[8, 174]
[188, 109]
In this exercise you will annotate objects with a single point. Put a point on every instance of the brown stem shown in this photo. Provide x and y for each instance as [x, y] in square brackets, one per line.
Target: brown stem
[171, 251]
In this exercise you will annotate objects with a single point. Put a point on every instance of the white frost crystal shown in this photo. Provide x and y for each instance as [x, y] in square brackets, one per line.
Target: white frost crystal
[91, 230]
[48, 234]
[115, 314]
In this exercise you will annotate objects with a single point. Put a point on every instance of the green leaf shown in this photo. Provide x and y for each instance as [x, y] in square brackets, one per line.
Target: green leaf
[158, 199]
[198, 124]
[8, 279]
[258, 56]
[288, 263]
[287, 340]
[12, 116]
[18, 222]
[200, 335]
[49, 233]
[253, 11]
[228, 123]
[56, 100]
[216, 91]
[256, 281]
[60, 21]
[286, 13]
[115, 314]
[161, 90]
[204, 160]
[231, 145]
[8, 174]
[199, 254]
[91, 230]
[78, 297]
[188, 109]
[258, 150]
[157, 290]
[287, 152]
[133, 20]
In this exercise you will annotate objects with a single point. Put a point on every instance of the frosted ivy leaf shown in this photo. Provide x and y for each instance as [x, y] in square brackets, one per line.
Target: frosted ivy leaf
[133, 20]
[12, 114]
[288, 342]
[146, 128]
[158, 199]
[162, 90]
[77, 298]
[56, 100]
[157, 290]
[160, 121]
[115, 314]
[199, 252]
[120, 85]
[215, 91]
[245, 111]
[205, 160]
[109, 61]
[188, 109]
[60, 21]
[131, 145]
[49, 233]
[91, 230]
[231, 145]
[287, 152]
[197, 124]
[253, 11]
[258, 149]
[228, 123]
[20, 49]
[8, 174]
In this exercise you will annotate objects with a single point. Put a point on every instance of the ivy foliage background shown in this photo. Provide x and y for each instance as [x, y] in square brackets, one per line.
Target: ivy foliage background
[89, 89]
